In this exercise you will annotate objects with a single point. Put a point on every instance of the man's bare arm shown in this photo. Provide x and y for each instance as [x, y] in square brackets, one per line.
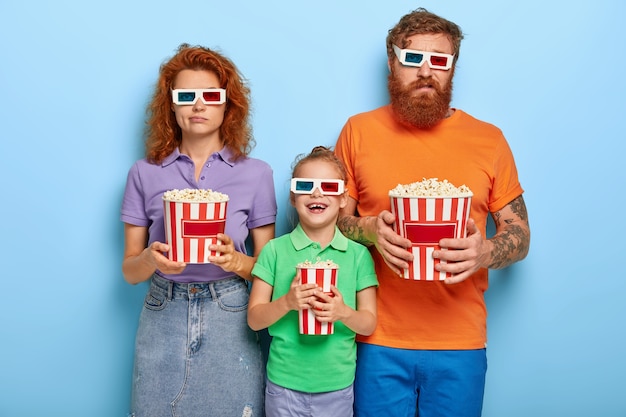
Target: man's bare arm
[511, 241]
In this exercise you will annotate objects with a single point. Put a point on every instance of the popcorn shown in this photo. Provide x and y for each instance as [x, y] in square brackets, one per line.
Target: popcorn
[430, 187]
[193, 218]
[324, 275]
[194, 195]
[426, 212]
[317, 264]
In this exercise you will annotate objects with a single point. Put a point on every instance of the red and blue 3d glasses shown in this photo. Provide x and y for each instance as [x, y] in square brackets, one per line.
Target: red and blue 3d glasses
[308, 186]
[189, 96]
[414, 58]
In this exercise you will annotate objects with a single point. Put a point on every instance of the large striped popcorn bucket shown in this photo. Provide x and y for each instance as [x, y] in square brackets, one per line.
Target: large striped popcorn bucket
[425, 221]
[324, 277]
[191, 226]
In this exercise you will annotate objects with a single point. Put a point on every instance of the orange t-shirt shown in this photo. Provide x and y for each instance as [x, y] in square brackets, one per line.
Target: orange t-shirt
[379, 153]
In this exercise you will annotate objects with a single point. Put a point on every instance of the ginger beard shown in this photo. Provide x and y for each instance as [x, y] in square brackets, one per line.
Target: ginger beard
[424, 110]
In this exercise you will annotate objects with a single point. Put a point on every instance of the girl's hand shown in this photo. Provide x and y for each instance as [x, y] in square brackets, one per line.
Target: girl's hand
[300, 296]
[329, 307]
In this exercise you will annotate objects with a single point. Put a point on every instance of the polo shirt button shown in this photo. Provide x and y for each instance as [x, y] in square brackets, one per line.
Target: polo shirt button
[202, 177]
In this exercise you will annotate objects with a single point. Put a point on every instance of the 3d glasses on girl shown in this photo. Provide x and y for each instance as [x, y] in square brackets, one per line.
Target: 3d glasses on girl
[189, 96]
[308, 186]
[413, 58]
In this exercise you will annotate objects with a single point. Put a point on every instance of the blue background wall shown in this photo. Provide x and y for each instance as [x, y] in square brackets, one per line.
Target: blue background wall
[74, 81]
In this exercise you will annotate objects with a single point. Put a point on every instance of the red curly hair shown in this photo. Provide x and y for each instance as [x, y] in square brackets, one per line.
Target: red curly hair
[163, 134]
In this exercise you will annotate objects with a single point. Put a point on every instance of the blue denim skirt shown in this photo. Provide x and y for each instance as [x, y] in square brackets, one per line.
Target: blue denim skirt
[195, 354]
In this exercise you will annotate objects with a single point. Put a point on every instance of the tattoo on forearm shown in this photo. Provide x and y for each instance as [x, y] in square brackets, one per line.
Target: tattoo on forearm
[513, 244]
[350, 227]
[509, 247]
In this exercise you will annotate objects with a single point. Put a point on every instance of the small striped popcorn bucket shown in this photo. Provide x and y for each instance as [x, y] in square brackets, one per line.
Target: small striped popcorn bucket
[190, 227]
[425, 221]
[324, 278]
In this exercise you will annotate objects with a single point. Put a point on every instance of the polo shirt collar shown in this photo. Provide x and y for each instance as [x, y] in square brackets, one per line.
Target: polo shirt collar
[225, 154]
[171, 157]
[300, 240]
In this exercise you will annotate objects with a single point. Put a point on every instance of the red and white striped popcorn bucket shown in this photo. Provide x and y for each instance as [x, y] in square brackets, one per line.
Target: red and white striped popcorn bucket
[324, 278]
[425, 221]
[190, 227]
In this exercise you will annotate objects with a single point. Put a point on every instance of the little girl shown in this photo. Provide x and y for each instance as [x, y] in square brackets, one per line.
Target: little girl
[312, 375]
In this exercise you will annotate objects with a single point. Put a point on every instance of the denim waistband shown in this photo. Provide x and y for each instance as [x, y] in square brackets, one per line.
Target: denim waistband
[190, 290]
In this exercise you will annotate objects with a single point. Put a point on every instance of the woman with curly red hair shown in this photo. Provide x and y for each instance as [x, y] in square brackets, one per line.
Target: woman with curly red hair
[194, 353]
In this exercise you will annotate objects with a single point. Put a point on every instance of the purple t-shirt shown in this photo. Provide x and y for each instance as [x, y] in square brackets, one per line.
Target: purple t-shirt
[248, 182]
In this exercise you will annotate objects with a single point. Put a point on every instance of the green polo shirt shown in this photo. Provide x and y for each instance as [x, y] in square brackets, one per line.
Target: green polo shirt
[313, 363]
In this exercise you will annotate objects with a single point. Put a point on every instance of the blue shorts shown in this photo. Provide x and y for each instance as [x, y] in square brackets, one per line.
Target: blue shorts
[426, 383]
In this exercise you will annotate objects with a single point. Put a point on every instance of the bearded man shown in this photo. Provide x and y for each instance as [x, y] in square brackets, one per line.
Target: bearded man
[427, 356]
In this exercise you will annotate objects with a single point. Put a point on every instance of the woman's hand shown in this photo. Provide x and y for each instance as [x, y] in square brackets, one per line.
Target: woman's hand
[140, 262]
[228, 258]
[153, 255]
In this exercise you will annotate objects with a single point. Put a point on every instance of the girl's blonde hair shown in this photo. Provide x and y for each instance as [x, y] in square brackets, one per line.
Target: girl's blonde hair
[319, 153]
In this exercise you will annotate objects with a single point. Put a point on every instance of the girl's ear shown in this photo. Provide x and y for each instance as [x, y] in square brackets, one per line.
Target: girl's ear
[344, 199]
[292, 199]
